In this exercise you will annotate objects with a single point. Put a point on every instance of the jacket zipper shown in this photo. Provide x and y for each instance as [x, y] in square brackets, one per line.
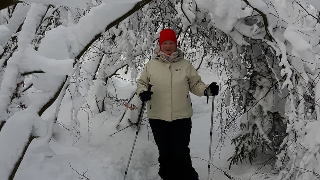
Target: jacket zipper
[171, 89]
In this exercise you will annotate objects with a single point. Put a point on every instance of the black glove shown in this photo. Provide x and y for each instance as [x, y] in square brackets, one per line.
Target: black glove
[214, 89]
[145, 95]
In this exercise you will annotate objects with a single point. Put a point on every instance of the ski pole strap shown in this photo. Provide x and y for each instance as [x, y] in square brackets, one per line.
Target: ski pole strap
[206, 94]
[149, 87]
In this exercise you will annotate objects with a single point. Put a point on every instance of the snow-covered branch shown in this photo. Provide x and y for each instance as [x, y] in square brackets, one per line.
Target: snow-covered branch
[59, 46]
[264, 17]
[12, 71]
[96, 29]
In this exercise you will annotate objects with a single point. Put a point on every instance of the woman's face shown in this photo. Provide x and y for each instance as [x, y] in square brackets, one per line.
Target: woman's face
[168, 47]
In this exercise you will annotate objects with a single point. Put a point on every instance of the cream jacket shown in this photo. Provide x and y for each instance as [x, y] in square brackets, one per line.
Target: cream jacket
[171, 82]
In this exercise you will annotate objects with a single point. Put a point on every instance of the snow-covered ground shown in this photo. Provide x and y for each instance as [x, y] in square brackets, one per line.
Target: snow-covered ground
[97, 156]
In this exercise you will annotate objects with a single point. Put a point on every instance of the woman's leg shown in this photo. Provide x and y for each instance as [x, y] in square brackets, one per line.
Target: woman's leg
[161, 136]
[179, 143]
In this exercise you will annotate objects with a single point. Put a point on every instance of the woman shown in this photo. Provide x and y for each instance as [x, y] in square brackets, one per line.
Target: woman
[169, 105]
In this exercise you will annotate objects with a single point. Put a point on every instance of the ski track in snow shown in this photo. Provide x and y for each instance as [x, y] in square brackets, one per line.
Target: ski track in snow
[105, 157]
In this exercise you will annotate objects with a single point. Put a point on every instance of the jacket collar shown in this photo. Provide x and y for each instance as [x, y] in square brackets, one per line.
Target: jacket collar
[175, 57]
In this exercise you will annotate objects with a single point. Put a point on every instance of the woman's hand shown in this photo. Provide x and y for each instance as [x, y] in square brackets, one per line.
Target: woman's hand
[145, 95]
[214, 89]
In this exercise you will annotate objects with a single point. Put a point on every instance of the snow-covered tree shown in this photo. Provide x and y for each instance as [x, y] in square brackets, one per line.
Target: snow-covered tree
[268, 50]
[274, 48]
[50, 60]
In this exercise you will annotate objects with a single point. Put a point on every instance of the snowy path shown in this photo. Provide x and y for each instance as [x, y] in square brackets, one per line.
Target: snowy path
[105, 157]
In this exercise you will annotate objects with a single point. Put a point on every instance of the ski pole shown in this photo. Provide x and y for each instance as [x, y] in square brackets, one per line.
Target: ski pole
[121, 130]
[137, 132]
[211, 129]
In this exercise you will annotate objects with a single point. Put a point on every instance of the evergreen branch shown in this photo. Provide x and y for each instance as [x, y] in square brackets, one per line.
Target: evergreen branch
[253, 104]
[263, 165]
[228, 175]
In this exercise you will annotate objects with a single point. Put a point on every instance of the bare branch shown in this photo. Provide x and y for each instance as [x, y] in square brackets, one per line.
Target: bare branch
[318, 20]
[2, 124]
[184, 12]
[81, 175]
[16, 166]
[202, 59]
[31, 72]
[53, 99]
[264, 17]
[123, 114]
[28, 87]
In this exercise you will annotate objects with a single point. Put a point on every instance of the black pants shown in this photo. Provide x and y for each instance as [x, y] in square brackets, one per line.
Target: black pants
[172, 139]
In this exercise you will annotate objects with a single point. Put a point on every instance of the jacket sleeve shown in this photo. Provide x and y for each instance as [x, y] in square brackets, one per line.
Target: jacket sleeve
[142, 84]
[196, 86]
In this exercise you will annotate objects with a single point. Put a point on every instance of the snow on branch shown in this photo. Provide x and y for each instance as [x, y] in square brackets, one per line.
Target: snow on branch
[96, 26]
[12, 71]
[10, 29]
[314, 3]
[265, 19]
[53, 98]
[68, 3]
[36, 62]
[15, 134]
[57, 49]
[317, 7]
[187, 13]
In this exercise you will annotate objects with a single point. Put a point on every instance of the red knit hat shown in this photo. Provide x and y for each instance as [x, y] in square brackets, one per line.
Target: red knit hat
[167, 34]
